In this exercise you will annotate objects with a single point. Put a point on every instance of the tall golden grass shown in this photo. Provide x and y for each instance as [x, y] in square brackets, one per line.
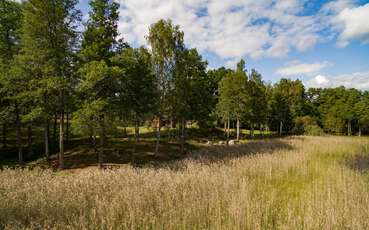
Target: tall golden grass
[291, 183]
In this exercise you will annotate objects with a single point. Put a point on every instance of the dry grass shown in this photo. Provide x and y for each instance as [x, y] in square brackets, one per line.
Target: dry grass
[292, 183]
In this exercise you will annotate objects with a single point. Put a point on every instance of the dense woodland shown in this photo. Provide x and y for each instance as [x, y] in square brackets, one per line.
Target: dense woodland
[59, 74]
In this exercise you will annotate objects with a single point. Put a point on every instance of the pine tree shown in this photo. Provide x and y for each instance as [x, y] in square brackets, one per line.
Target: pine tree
[10, 84]
[48, 38]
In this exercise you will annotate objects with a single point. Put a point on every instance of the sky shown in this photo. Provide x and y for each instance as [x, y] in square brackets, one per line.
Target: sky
[322, 43]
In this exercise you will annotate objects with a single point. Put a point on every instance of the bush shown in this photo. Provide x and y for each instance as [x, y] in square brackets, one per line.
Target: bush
[308, 126]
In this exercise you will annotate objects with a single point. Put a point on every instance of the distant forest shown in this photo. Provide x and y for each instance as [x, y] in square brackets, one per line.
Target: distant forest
[58, 74]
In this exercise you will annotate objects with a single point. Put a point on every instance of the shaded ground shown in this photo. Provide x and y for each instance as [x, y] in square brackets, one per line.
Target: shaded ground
[360, 163]
[119, 150]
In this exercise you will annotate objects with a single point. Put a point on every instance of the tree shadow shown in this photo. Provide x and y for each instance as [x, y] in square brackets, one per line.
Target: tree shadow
[223, 153]
[359, 163]
[80, 155]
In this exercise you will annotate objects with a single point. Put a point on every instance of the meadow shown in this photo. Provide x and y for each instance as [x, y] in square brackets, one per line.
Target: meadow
[284, 183]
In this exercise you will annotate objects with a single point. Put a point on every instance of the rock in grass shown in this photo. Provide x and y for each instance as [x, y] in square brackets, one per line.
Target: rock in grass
[232, 142]
[209, 143]
[150, 153]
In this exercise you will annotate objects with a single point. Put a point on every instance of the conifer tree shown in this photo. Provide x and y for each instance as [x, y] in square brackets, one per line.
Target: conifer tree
[48, 37]
[10, 84]
[98, 77]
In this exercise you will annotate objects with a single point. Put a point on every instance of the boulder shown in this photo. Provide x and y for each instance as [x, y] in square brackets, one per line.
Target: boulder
[209, 143]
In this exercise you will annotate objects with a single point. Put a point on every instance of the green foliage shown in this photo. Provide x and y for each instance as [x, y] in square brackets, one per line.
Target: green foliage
[233, 96]
[48, 38]
[286, 101]
[86, 121]
[10, 23]
[99, 38]
[257, 99]
[98, 78]
[361, 109]
[307, 125]
[137, 89]
[167, 44]
[190, 95]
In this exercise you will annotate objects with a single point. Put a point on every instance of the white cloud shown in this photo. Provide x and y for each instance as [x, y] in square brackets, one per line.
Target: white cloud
[359, 80]
[296, 68]
[346, 21]
[319, 81]
[355, 24]
[230, 29]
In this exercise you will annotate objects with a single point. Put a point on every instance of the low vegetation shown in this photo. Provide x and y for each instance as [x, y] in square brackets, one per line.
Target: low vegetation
[289, 183]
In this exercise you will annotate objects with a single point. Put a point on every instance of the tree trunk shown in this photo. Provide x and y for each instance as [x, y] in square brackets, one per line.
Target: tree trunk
[182, 136]
[261, 128]
[29, 140]
[93, 143]
[46, 139]
[228, 124]
[67, 129]
[137, 131]
[238, 129]
[137, 135]
[61, 141]
[359, 130]
[349, 128]
[54, 131]
[252, 130]
[4, 136]
[225, 127]
[19, 137]
[61, 131]
[102, 143]
[158, 127]
[281, 128]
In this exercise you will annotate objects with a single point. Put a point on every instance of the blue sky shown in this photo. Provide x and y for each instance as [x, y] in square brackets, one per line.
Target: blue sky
[323, 43]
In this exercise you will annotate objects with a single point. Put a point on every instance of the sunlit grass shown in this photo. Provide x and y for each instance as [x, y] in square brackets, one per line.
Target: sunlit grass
[291, 183]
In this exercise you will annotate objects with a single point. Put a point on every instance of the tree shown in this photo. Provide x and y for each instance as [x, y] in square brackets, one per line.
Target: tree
[352, 98]
[48, 38]
[233, 99]
[136, 86]
[98, 77]
[189, 93]
[257, 101]
[201, 95]
[286, 102]
[213, 80]
[10, 85]
[362, 112]
[166, 42]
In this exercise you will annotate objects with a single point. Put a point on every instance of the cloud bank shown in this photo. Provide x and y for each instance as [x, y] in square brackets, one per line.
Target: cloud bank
[296, 68]
[359, 80]
[237, 28]
[229, 29]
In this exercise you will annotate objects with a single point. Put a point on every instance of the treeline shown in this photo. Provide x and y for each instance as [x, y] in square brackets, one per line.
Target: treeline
[56, 70]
